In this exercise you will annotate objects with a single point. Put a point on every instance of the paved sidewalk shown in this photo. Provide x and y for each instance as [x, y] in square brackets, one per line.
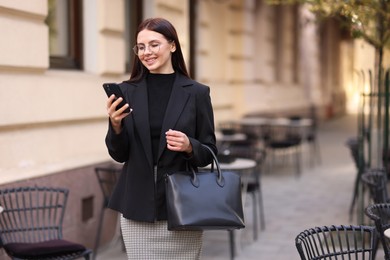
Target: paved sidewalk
[321, 196]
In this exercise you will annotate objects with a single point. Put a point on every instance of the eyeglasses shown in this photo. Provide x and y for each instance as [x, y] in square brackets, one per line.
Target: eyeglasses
[139, 49]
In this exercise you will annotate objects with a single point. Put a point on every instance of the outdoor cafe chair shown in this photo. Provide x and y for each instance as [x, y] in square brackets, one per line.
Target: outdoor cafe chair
[353, 145]
[336, 242]
[107, 178]
[376, 181]
[283, 141]
[380, 214]
[254, 183]
[31, 224]
[311, 138]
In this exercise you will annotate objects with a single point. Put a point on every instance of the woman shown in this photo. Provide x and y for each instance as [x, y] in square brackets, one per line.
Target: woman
[171, 117]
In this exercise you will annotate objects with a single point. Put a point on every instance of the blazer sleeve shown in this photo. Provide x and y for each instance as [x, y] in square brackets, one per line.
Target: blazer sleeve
[205, 130]
[117, 144]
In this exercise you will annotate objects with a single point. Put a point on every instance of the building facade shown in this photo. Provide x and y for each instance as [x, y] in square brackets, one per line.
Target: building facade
[56, 54]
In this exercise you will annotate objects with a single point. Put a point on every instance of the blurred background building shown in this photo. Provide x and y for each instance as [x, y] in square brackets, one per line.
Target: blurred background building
[56, 54]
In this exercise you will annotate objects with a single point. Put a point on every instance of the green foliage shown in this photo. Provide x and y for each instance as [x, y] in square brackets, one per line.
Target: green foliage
[367, 19]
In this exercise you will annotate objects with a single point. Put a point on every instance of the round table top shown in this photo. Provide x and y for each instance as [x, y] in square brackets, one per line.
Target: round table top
[278, 121]
[236, 165]
[230, 138]
[387, 232]
[288, 122]
[254, 121]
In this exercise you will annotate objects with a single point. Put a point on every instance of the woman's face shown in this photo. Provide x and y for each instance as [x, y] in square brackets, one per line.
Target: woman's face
[154, 51]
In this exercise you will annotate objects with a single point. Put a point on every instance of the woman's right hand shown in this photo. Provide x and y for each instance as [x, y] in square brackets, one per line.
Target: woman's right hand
[116, 116]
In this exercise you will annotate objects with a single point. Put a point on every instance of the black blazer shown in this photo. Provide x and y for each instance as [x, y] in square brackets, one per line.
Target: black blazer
[190, 111]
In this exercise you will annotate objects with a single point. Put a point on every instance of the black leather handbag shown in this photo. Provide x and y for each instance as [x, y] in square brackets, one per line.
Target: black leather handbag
[204, 200]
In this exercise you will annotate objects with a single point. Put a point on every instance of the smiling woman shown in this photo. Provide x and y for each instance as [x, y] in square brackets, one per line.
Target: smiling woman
[154, 51]
[171, 119]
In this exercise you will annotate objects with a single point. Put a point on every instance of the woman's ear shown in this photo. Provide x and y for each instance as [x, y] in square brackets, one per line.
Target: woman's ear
[173, 47]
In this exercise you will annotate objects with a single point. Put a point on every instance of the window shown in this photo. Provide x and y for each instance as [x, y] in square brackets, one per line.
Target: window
[64, 22]
[133, 16]
[193, 20]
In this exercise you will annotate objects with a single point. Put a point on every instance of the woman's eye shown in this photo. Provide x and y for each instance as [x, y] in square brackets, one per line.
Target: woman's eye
[154, 45]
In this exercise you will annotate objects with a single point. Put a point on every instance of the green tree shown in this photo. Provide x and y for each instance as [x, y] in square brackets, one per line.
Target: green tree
[367, 19]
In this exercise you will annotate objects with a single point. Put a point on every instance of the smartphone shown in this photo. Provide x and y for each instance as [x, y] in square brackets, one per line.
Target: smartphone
[113, 88]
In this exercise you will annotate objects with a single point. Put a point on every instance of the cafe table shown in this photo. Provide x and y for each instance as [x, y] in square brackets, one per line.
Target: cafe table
[261, 124]
[244, 167]
[274, 121]
[278, 129]
[225, 140]
[235, 137]
[387, 232]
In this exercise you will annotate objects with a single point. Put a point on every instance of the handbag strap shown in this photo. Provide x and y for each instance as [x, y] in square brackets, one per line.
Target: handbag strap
[220, 179]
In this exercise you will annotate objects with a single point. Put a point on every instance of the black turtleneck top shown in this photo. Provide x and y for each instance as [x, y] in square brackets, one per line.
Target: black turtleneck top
[159, 90]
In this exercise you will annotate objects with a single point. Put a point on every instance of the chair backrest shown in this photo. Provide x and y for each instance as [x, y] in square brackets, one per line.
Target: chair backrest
[380, 214]
[376, 181]
[336, 242]
[255, 153]
[107, 177]
[283, 135]
[353, 145]
[32, 214]
[249, 152]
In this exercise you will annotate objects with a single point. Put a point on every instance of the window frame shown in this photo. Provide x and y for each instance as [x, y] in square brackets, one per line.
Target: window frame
[133, 17]
[74, 58]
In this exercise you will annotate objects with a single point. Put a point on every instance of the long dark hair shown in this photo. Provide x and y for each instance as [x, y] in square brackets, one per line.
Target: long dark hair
[165, 28]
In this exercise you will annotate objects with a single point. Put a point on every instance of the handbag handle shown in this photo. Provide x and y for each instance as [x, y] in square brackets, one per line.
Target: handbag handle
[220, 179]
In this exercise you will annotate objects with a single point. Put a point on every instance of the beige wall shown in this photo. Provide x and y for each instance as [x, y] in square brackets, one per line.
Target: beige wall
[55, 120]
[239, 58]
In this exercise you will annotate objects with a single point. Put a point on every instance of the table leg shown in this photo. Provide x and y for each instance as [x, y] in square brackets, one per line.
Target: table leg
[232, 244]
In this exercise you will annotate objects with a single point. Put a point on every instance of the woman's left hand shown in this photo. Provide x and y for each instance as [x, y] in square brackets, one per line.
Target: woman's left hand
[178, 141]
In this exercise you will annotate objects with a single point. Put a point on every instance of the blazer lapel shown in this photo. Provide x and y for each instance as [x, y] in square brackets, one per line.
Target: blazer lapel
[176, 103]
[139, 103]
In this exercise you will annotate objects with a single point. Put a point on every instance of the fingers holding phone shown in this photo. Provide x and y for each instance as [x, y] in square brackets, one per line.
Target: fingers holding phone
[116, 115]
[117, 107]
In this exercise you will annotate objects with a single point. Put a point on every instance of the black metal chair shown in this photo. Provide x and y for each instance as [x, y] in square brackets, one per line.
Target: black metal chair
[312, 137]
[353, 145]
[254, 181]
[336, 242]
[107, 178]
[376, 181]
[31, 224]
[285, 141]
[380, 214]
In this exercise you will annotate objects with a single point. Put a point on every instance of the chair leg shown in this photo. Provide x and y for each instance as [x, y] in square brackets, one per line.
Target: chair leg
[317, 151]
[298, 161]
[376, 246]
[315, 154]
[98, 234]
[255, 217]
[261, 207]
